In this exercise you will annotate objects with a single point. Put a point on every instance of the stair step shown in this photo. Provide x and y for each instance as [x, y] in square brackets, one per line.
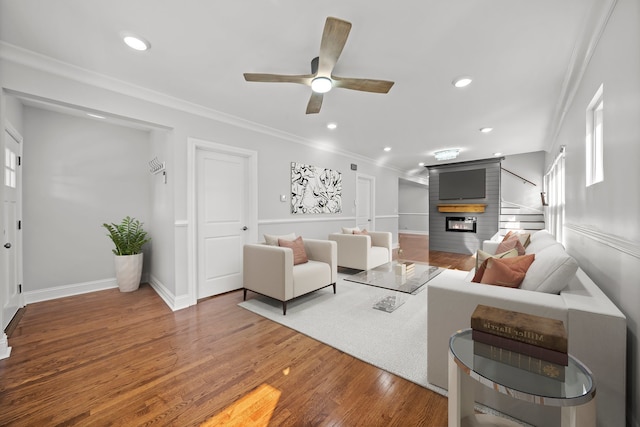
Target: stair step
[521, 217]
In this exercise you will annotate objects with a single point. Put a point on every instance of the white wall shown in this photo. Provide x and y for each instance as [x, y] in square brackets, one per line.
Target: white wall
[413, 205]
[168, 211]
[78, 173]
[603, 227]
[515, 190]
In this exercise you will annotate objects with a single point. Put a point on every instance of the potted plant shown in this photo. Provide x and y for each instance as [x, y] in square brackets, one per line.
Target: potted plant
[128, 237]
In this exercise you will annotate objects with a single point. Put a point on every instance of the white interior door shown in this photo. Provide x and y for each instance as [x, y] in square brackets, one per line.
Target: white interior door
[365, 211]
[222, 220]
[11, 242]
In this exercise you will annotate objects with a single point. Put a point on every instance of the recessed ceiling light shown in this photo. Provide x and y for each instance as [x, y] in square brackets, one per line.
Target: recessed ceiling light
[497, 154]
[332, 125]
[421, 164]
[321, 85]
[135, 42]
[462, 81]
[387, 148]
[96, 116]
[486, 130]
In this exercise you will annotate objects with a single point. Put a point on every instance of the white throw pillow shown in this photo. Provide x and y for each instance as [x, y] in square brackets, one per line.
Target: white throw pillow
[346, 230]
[482, 255]
[551, 270]
[272, 239]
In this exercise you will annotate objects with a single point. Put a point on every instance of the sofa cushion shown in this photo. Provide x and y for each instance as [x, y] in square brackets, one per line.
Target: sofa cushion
[297, 245]
[509, 242]
[481, 256]
[540, 240]
[551, 270]
[272, 239]
[507, 272]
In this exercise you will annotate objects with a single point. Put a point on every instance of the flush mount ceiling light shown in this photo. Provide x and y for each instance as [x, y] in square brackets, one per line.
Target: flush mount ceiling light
[486, 130]
[321, 84]
[332, 126]
[387, 148]
[448, 154]
[462, 81]
[135, 42]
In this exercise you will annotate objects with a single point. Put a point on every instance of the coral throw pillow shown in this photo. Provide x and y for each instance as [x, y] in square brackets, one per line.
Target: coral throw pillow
[364, 231]
[297, 245]
[509, 272]
[509, 242]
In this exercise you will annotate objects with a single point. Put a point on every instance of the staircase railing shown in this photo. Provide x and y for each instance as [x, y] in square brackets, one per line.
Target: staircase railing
[518, 176]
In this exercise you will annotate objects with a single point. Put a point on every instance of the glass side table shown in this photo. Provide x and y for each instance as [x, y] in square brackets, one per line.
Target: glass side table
[575, 394]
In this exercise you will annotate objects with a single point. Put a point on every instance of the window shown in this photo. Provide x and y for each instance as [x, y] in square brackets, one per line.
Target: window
[595, 139]
[554, 187]
[9, 168]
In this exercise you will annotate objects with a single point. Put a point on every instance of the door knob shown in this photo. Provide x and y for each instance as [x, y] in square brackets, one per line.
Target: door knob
[7, 245]
[245, 228]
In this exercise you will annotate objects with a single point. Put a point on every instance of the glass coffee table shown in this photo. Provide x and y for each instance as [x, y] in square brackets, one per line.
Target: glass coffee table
[401, 276]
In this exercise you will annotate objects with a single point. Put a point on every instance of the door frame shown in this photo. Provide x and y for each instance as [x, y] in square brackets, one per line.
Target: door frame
[195, 144]
[372, 197]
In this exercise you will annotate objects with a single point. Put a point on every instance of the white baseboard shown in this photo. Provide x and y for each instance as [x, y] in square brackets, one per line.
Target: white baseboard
[5, 350]
[174, 303]
[68, 290]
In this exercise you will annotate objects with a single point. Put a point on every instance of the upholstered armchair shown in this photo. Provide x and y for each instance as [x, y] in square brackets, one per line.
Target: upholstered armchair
[269, 270]
[363, 251]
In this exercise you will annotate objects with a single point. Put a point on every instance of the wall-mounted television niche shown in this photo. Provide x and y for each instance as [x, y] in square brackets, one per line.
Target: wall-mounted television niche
[464, 184]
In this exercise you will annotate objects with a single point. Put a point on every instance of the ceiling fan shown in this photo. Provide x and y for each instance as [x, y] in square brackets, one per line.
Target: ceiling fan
[321, 78]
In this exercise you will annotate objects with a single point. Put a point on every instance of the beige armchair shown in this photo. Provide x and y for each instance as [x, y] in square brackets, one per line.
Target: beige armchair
[269, 270]
[363, 251]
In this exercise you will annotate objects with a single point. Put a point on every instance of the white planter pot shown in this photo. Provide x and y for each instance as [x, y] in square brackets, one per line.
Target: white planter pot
[128, 271]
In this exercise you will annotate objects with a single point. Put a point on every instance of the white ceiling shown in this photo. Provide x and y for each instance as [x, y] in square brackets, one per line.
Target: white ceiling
[517, 51]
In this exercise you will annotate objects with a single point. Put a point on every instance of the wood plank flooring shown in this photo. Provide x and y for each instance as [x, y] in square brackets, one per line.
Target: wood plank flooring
[125, 359]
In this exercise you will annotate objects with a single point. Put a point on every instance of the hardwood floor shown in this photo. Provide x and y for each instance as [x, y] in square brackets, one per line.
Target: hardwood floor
[111, 358]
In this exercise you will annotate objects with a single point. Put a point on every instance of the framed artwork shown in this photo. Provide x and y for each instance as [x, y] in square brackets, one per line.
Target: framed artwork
[315, 190]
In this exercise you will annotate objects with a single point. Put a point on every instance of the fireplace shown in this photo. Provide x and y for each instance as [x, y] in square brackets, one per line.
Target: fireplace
[461, 224]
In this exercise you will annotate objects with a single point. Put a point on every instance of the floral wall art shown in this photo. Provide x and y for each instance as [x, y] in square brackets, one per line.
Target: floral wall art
[315, 190]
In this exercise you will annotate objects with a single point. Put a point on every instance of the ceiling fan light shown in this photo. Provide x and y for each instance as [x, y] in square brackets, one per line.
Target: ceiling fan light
[321, 85]
[449, 154]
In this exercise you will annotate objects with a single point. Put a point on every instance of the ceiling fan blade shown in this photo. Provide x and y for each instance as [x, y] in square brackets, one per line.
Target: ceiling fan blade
[365, 85]
[334, 38]
[315, 102]
[278, 78]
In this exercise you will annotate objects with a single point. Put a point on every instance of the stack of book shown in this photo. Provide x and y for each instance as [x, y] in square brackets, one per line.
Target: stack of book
[533, 343]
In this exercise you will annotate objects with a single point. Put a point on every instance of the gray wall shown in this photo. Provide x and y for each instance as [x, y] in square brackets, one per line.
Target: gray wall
[413, 207]
[487, 222]
[515, 190]
[78, 174]
[602, 221]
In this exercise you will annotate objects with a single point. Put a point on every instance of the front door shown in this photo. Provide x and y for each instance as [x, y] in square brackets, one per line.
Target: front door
[11, 241]
[222, 220]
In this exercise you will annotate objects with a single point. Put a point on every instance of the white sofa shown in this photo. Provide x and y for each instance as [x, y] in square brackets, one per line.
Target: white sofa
[363, 251]
[269, 270]
[596, 330]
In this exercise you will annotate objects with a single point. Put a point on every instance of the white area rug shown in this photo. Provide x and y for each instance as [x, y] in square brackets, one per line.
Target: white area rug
[395, 342]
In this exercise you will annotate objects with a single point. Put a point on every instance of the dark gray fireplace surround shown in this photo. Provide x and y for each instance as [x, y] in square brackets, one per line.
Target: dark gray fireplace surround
[486, 222]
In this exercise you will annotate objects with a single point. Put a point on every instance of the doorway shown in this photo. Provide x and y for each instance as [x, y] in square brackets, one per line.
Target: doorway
[365, 202]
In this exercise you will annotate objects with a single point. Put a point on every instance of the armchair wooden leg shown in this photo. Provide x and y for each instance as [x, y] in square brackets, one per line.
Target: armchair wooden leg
[334, 288]
[244, 298]
[284, 308]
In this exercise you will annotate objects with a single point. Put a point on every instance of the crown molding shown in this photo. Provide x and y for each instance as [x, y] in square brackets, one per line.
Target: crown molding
[583, 51]
[626, 246]
[37, 61]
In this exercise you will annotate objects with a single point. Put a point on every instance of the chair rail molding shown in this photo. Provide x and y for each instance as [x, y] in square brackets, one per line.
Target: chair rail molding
[622, 245]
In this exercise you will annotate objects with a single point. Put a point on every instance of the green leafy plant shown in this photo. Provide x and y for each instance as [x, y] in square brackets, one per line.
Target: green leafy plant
[128, 236]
